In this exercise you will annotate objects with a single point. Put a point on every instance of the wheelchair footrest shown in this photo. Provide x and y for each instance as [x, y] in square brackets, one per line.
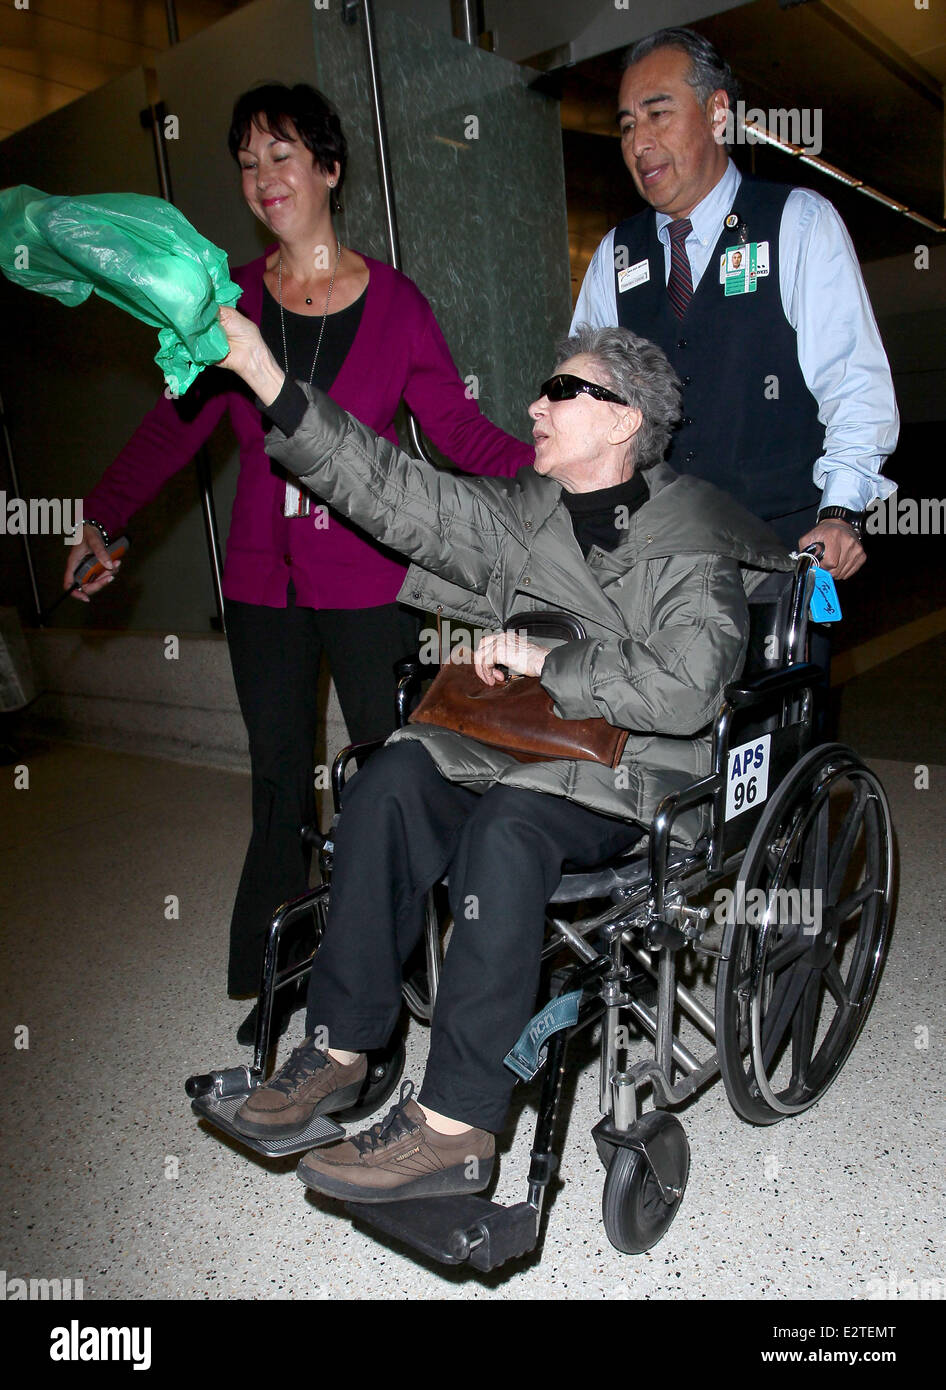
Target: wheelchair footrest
[456, 1230]
[220, 1112]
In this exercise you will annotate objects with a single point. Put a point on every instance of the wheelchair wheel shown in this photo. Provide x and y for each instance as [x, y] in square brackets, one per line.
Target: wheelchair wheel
[806, 936]
[385, 1068]
[633, 1208]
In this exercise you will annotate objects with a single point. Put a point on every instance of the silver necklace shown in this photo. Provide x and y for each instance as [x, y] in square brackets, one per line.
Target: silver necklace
[328, 300]
[295, 503]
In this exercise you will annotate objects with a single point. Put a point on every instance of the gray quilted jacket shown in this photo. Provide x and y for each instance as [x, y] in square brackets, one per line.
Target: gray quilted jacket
[665, 612]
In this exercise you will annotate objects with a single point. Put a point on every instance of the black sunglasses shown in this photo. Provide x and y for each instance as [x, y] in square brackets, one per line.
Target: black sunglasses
[563, 387]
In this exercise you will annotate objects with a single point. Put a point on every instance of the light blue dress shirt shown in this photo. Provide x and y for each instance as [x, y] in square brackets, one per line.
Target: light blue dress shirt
[840, 352]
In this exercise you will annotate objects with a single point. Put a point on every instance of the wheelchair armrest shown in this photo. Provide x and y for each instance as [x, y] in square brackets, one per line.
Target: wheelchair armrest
[408, 666]
[342, 759]
[410, 673]
[549, 621]
[773, 684]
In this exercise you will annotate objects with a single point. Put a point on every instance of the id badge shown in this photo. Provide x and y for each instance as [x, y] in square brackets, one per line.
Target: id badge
[633, 276]
[296, 502]
[742, 266]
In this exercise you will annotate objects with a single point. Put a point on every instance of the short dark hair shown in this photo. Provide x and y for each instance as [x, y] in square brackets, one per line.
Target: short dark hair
[708, 71]
[638, 371]
[273, 104]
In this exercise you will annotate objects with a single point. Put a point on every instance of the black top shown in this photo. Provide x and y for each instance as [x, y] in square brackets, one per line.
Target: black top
[302, 334]
[600, 518]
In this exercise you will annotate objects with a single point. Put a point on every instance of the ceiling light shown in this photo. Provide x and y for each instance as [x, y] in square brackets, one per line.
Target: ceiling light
[831, 171]
[881, 198]
[925, 222]
[759, 132]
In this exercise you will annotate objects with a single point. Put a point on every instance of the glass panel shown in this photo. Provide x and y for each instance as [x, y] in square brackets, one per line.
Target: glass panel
[477, 167]
[75, 382]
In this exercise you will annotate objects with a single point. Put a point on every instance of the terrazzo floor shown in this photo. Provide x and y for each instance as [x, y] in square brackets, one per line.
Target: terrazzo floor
[107, 1176]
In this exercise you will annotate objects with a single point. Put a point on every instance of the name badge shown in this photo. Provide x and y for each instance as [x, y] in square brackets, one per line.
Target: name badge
[635, 275]
[741, 267]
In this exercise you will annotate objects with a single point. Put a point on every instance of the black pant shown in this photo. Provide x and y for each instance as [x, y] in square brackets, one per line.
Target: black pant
[275, 654]
[404, 826]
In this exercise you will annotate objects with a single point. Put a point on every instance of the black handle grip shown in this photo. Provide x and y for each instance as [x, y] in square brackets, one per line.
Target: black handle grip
[200, 1085]
[559, 624]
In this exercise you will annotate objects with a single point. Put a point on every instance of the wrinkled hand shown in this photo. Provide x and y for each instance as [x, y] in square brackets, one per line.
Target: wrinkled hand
[519, 656]
[843, 552]
[249, 356]
[91, 541]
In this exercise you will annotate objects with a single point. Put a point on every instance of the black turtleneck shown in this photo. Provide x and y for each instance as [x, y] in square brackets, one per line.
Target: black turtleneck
[600, 518]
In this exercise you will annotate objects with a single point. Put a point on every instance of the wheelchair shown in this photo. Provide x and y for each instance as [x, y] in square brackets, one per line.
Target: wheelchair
[787, 897]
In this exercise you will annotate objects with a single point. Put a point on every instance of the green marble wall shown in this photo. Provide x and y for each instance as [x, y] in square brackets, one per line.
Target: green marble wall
[476, 160]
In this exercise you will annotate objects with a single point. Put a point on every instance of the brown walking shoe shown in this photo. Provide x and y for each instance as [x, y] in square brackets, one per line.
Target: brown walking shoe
[309, 1083]
[399, 1158]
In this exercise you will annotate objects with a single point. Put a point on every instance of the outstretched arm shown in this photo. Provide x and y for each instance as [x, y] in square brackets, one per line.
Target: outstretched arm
[452, 526]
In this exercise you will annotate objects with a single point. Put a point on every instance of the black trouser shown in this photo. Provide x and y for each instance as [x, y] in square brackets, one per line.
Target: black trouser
[275, 654]
[404, 826]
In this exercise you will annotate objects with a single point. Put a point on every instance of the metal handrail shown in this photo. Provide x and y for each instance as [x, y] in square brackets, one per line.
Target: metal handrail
[201, 458]
[384, 168]
[11, 464]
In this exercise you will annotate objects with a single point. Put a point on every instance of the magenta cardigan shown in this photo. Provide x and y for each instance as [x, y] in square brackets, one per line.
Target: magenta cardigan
[398, 351]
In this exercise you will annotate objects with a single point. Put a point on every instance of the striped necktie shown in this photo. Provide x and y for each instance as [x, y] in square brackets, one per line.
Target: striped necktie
[679, 282]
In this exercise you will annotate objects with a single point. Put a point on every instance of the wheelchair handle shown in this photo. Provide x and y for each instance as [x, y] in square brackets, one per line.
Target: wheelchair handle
[568, 626]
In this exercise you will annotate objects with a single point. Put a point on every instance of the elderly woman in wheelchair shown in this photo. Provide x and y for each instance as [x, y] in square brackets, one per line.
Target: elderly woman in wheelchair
[657, 569]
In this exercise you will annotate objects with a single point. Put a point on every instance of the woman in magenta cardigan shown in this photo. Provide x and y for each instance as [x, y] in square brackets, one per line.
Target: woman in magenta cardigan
[298, 583]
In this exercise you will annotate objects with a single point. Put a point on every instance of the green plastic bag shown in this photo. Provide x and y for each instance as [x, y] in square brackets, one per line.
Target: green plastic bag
[137, 252]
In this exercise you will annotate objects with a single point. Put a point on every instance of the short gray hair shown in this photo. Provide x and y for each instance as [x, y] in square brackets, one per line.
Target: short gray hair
[708, 71]
[638, 371]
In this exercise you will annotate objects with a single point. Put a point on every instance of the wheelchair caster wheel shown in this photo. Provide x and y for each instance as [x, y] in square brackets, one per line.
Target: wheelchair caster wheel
[635, 1210]
[385, 1068]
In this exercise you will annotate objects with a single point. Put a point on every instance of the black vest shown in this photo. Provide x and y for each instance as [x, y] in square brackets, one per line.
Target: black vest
[732, 355]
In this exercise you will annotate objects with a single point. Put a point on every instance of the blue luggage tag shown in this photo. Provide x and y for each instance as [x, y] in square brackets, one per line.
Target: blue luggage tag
[825, 607]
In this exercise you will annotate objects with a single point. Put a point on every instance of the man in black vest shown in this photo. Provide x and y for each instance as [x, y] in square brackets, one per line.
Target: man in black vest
[753, 291]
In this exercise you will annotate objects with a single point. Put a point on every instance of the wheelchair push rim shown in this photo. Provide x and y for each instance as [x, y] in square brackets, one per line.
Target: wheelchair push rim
[793, 994]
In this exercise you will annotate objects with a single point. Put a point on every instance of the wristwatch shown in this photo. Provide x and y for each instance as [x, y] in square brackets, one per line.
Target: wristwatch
[855, 520]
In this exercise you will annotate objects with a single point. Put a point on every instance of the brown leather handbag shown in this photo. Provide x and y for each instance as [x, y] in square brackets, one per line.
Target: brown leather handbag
[517, 716]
